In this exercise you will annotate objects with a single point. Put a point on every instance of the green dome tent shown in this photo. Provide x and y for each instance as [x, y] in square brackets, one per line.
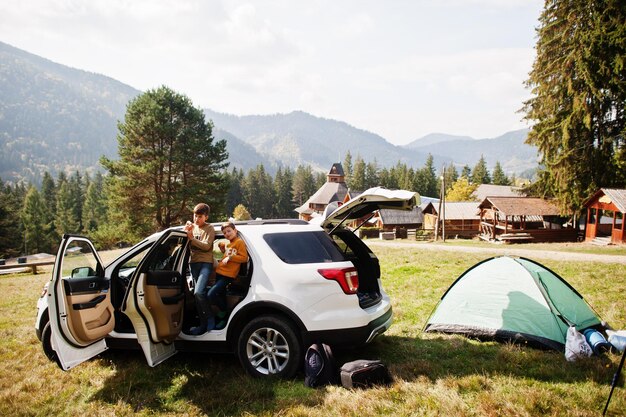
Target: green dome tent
[512, 299]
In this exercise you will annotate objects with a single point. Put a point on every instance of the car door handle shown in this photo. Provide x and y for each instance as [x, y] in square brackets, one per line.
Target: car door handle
[89, 304]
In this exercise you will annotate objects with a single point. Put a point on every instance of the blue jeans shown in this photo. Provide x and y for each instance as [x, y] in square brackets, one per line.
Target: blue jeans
[200, 271]
[217, 293]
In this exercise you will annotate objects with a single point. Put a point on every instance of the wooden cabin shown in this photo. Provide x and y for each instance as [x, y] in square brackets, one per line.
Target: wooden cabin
[523, 219]
[461, 218]
[605, 216]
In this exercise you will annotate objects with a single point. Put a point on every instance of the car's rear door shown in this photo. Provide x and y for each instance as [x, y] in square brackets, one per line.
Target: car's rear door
[80, 309]
[155, 299]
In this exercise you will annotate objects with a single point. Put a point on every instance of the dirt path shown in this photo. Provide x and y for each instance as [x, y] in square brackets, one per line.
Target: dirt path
[508, 250]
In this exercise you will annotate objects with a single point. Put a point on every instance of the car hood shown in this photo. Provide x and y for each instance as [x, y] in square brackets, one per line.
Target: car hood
[366, 203]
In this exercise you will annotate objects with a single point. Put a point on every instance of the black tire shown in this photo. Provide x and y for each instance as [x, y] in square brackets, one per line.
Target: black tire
[46, 343]
[269, 346]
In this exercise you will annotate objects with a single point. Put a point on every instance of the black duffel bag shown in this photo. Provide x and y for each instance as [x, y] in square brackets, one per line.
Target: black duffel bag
[364, 373]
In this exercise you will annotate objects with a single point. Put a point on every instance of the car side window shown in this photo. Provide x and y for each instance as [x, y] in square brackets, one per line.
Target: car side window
[166, 257]
[79, 260]
[304, 247]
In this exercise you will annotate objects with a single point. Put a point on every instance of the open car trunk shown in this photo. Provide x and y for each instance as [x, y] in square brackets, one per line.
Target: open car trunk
[360, 209]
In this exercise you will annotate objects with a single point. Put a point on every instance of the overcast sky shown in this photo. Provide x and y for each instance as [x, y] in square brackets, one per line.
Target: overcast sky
[401, 69]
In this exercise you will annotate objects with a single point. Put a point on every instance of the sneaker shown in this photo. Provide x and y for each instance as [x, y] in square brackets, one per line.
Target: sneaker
[210, 325]
[198, 330]
[220, 325]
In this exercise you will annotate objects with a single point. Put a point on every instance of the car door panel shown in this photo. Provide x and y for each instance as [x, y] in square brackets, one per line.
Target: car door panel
[155, 301]
[81, 313]
[164, 298]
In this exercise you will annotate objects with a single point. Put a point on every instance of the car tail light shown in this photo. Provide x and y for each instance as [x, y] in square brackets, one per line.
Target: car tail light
[348, 278]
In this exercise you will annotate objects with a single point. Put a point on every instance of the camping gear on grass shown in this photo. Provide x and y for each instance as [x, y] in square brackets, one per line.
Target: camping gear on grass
[320, 367]
[597, 341]
[364, 373]
[512, 299]
[576, 345]
[617, 339]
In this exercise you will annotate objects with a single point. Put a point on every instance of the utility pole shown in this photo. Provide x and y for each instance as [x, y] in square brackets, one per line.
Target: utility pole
[441, 212]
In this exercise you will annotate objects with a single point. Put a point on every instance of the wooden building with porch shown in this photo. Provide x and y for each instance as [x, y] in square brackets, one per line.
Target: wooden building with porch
[461, 218]
[523, 219]
[605, 216]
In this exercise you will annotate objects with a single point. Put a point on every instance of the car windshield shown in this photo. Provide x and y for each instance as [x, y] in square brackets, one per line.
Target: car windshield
[304, 247]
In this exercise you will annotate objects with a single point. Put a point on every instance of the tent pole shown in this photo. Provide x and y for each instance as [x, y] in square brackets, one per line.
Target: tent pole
[614, 382]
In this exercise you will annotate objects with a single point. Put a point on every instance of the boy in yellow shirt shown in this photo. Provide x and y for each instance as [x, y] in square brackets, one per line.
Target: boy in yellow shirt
[235, 254]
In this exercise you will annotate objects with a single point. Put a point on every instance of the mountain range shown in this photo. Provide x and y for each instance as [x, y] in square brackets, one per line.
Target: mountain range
[53, 118]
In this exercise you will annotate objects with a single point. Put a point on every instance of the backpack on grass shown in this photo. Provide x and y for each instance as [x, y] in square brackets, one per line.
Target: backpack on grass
[364, 373]
[320, 367]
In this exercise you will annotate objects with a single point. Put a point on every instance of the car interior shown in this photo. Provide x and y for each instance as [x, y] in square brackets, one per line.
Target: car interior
[169, 287]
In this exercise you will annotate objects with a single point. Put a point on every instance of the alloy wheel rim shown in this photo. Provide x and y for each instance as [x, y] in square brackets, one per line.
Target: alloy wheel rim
[267, 351]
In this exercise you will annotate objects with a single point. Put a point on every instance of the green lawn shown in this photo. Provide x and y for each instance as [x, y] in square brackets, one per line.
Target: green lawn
[434, 374]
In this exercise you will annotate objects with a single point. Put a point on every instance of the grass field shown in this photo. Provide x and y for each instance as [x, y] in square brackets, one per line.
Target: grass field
[434, 374]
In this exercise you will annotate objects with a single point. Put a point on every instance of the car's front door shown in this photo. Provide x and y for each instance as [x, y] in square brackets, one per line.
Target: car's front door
[80, 309]
[155, 300]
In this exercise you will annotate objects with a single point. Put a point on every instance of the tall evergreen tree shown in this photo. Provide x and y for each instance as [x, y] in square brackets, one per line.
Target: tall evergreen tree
[371, 175]
[169, 161]
[498, 176]
[11, 236]
[347, 167]
[578, 98]
[94, 208]
[35, 239]
[357, 182]
[258, 192]
[48, 195]
[65, 221]
[234, 196]
[76, 197]
[283, 204]
[480, 173]
[303, 185]
[466, 172]
[450, 175]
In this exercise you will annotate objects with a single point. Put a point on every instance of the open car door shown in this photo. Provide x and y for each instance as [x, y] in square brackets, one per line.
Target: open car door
[80, 309]
[154, 301]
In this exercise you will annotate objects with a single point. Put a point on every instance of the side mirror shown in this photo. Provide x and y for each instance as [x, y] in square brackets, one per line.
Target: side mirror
[83, 272]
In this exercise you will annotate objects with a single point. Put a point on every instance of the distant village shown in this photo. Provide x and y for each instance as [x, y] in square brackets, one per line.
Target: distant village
[498, 213]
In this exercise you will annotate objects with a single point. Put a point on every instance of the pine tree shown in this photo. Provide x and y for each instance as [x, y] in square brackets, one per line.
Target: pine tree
[450, 175]
[466, 172]
[258, 193]
[480, 173]
[303, 185]
[94, 208]
[35, 239]
[357, 182]
[169, 161]
[371, 175]
[578, 97]
[283, 183]
[234, 196]
[65, 221]
[347, 167]
[499, 177]
[11, 236]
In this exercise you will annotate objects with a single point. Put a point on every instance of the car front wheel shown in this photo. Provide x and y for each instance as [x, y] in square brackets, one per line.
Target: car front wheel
[46, 342]
[268, 346]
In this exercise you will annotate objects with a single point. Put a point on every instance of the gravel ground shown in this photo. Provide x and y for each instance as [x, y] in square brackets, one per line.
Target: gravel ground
[508, 250]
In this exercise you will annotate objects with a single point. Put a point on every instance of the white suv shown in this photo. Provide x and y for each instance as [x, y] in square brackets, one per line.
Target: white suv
[304, 283]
